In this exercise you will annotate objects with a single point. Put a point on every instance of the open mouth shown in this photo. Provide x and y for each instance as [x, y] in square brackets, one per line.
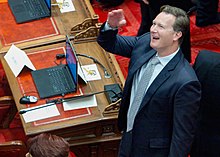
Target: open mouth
[155, 38]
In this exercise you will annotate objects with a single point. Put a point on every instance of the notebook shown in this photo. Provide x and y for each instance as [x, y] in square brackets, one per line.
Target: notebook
[28, 10]
[60, 79]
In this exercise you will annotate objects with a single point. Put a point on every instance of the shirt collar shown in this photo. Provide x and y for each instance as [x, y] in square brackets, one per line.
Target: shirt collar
[166, 59]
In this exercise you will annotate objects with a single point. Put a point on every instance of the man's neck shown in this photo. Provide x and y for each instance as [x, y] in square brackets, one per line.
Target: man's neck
[167, 52]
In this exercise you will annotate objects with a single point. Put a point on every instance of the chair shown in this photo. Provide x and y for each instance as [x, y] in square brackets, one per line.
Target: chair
[12, 142]
[207, 140]
[72, 154]
[8, 111]
[13, 149]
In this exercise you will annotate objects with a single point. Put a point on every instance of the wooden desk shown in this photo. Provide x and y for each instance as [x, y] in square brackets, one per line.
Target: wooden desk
[90, 136]
[47, 30]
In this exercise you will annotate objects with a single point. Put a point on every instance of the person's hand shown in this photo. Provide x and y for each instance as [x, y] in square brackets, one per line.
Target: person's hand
[116, 18]
[146, 1]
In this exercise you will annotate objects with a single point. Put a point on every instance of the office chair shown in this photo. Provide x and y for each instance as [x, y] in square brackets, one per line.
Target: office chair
[207, 139]
[12, 142]
[13, 149]
[8, 111]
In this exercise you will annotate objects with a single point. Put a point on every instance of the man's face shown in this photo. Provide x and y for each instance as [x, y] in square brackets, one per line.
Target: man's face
[163, 37]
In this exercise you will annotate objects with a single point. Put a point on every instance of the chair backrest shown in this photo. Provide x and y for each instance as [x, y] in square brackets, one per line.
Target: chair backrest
[7, 111]
[3, 112]
[13, 149]
[12, 142]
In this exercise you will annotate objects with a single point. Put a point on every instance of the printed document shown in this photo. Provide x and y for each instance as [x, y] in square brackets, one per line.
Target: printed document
[40, 112]
[83, 102]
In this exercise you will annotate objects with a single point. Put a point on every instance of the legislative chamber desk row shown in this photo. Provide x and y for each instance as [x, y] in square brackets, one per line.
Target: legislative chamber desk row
[91, 132]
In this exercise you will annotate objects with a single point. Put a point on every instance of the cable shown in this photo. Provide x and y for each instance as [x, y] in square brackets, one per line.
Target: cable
[61, 100]
[106, 74]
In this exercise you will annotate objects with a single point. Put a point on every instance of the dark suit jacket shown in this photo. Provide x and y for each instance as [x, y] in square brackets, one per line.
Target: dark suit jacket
[207, 12]
[207, 141]
[165, 123]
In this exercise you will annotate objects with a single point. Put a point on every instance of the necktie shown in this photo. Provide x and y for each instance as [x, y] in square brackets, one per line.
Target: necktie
[142, 85]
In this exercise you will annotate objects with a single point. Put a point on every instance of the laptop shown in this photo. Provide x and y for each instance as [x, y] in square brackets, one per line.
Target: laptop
[60, 79]
[28, 10]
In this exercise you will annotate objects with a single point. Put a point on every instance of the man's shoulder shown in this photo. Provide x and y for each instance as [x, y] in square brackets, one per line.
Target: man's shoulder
[187, 72]
[145, 38]
[145, 35]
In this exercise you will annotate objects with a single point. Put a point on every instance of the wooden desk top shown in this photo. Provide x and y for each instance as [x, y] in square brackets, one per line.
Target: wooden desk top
[92, 49]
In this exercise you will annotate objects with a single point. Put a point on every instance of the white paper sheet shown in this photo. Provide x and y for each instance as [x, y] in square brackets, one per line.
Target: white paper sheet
[17, 59]
[80, 103]
[40, 113]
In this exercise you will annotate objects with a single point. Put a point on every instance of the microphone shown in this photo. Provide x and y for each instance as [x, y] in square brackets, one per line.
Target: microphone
[35, 108]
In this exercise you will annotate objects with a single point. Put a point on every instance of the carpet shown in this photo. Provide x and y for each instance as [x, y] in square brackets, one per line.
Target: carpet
[201, 38]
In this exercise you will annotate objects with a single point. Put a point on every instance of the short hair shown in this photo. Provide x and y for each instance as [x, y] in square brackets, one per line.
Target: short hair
[48, 145]
[181, 23]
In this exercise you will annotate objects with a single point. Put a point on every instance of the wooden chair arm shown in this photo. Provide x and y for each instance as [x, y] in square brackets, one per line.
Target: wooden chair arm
[6, 100]
[13, 146]
[10, 144]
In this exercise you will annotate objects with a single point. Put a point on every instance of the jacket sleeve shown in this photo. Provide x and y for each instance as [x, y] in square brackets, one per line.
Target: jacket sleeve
[185, 118]
[116, 44]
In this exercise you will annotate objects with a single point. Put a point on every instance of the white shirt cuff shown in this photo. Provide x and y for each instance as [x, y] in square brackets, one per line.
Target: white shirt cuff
[108, 27]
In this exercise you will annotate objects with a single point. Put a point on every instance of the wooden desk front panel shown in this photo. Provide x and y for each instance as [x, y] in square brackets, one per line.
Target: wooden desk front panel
[95, 139]
[104, 149]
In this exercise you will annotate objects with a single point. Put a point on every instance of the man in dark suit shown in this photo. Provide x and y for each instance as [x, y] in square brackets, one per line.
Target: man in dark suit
[207, 141]
[165, 121]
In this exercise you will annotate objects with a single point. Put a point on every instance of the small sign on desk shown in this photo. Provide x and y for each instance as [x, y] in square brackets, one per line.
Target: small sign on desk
[91, 72]
[65, 6]
[17, 60]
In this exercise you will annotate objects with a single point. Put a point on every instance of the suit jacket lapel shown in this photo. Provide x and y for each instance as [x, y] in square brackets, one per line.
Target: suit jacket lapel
[136, 64]
[154, 86]
[160, 79]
